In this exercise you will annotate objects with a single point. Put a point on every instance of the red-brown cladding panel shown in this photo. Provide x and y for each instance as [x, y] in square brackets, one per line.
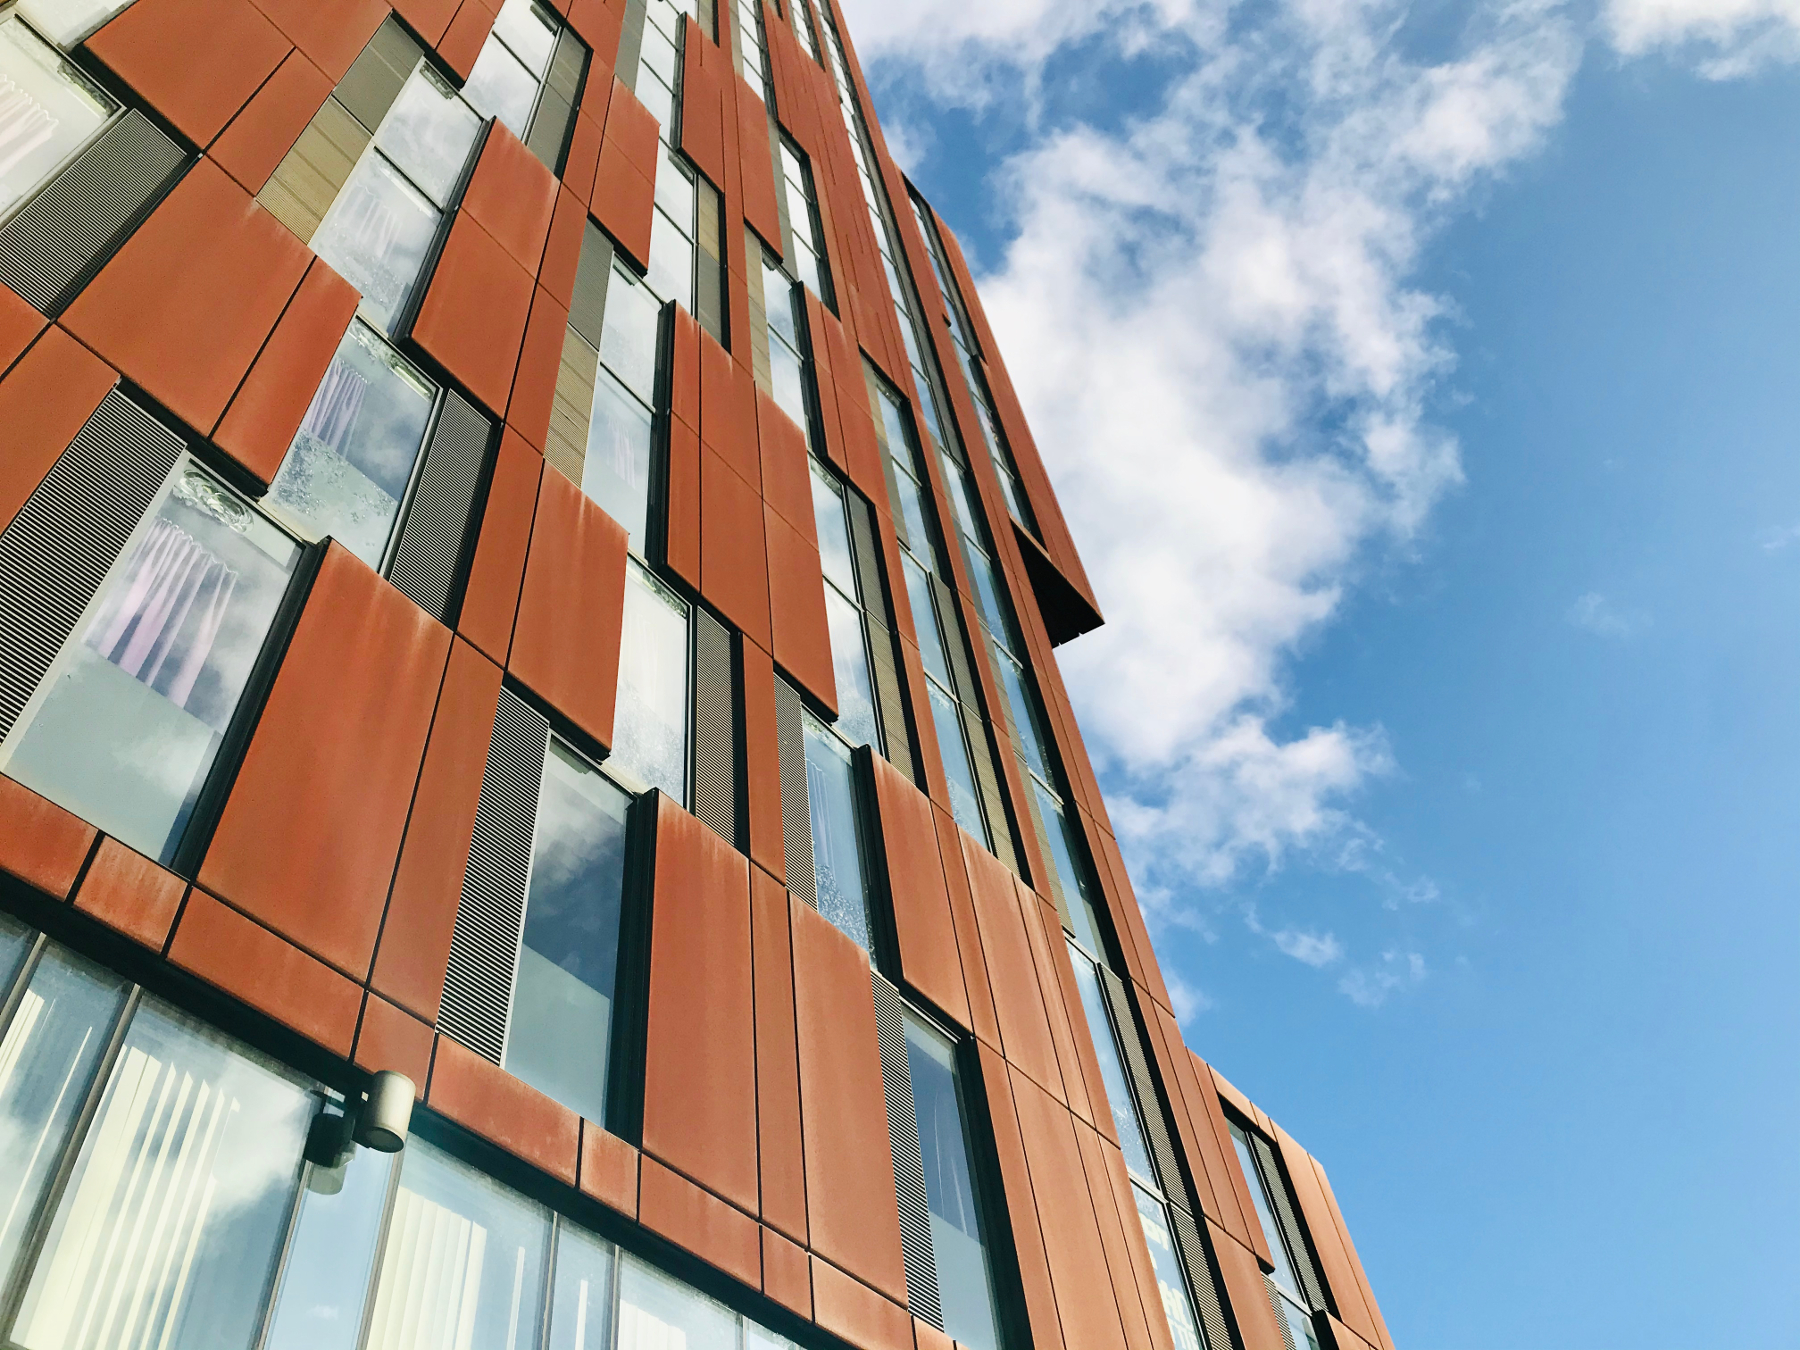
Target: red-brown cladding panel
[852, 1213]
[609, 1169]
[1021, 1207]
[599, 23]
[922, 920]
[468, 32]
[681, 542]
[253, 145]
[266, 413]
[760, 208]
[1258, 1241]
[624, 181]
[787, 1273]
[491, 599]
[1248, 1294]
[857, 1313]
[1018, 1001]
[1137, 1247]
[1078, 1271]
[1044, 932]
[1362, 1278]
[540, 361]
[728, 410]
[20, 325]
[734, 571]
[308, 839]
[1340, 1275]
[429, 18]
[797, 609]
[44, 400]
[700, 1055]
[209, 264]
[786, 475]
[982, 1019]
[473, 317]
[40, 843]
[562, 251]
[195, 61]
[488, 1100]
[684, 370]
[391, 1039]
[762, 762]
[572, 609]
[128, 892]
[1112, 1239]
[708, 1227]
[702, 127]
[332, 32]
[583, 159]
[512, 196]
[421, 913]
[783, 1161]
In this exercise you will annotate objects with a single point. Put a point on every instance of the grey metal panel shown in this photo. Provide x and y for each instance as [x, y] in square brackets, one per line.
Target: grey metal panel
[1143, 1085]
[568, 66]
[796, 805]
[549, 131]
[1203, 1282]
[428, 554]
[490, 918]
[715, 728]
[922, 1296]
[71, 529]
[631, 41]
[1312, 1288]
[50, 249]
[374, 80]
[587, 307]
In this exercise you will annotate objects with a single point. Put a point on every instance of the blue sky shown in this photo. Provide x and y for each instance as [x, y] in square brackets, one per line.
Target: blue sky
[1469, 827]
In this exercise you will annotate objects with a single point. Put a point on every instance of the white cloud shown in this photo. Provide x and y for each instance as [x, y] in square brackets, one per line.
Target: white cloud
[1188, 1001]
[1372, 986]
[1594, 613]
[1313, 949]
[1728, 37]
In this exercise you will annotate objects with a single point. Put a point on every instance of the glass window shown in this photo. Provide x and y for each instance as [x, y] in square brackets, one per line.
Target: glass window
[965, 1285]
[1070, 874]
[658, 55]
[464, 1261]
[958, 775]
[581, 1302]
[325, 1281]
[671, 273]
[1027, 731]
[69, 21]
[171, 1222]
[428, 133]
[839, 882]
[650, 720]
[834, 533]
[1169, 1281]
[1284, 1268]
[616, 469]
[1112, 1070]
[674, 187]
[778, 296]
[931, 642]
[628, 333]
[561, 1026]
[48, 111]
[127, 722]
[850, 664]
[347, 471]
[376, 235]
[500, 86]
[788, 380]
[530, 32]
[659, 1313]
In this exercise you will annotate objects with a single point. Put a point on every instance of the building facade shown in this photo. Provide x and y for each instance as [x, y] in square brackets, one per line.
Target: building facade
[521, 566]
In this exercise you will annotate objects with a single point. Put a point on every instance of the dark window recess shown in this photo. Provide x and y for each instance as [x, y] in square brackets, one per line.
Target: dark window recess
[884, 652]
[715, 728]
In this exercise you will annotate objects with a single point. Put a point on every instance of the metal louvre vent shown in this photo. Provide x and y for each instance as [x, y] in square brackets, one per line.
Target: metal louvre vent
[549, 131]
[587, 303]
[1143, 1083]
[1203, 1282]
[1311, 1286]
[796, 805]
[376, 77]
[71, 529]
[50, 249]
[484, 947]
[428, 555]
[715, 728]
[909, 1164]
[883, 662]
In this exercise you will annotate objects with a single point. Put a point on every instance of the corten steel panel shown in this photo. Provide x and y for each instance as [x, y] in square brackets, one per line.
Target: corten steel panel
[267, 410]
[1085, 1067]
[491, 600]
[258, 137]
[1340, 1275]
[1120, 1269]
[1112, 898]
[128, 892]
[512, 196]
[1021, 1205]
[797, 609]
[860, 1315]
[20, 325]
[1231, 1199]
[831, 430]
[782, 1158]
[271, 974]
[786, 477]
[210, 265]
[572, 608]
[700, 1042]
[414, 949]
[485, 1098]
[1078, 1271]
[583, 159]
[982, 1019]
[702, 124]
[1344, 1338]
[853, 1217]
[1137, 1247]
[705, 1225]
[1018, 1001]
[540, 359]
[1255, 1238]
[609, 1169]
[562, 251]
[786, 1273]
[598, 22]
[1194, 1130]
[681, 543]
[624, 181]
[757, 165]
[44, 400]
[861, 449]
[391, 1039]
[929, 961]
[684, 370]
[734, 570]
[928, 1337]
[429, 18]
[473, 317]
[1362, 1278]
[1128, 919]
[468, 32]
[1248, 1295]
[331, 32]
[728, 409]
[309, 837]
[762, 762]
[195, 61]
[1043, 930]
[40, 843]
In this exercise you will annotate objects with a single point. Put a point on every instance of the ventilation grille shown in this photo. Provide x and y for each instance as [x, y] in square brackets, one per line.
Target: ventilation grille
[484, 947]
[796, 806]
[1202, 1281]
[72, 528]
[587, 304]
[428, 556]
[909, 1164]
[1150, 1111]
[1276, 1183]
[376, 77]
[897, 745]
[715, 728]
[549, 132]
[50, 249]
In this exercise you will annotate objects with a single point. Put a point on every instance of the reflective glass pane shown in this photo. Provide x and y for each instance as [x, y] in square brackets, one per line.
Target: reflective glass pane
[561, 1027]
[912, 512]
[126, 724]
[15, 941]
[834, 533]
[981, 572]
[671, 273]
[650, 723]
[788, 380]
[376, 235]
[501, 87]
[658, 54]
[581, 1302]
[463, 1265]
[806, 265]
[1299, 1325]
[347, 470]
[1265, 1214]
[48, 111]
[837, 849]
[628, 333]
[1112, 1069]
[674, 190]
[326, 1280]
[69, 21]
[1027, 729]
[964, 1283]
[529, 31]
[47, 1062]
[931, 642]
[1070, 874]
[169, 1226]
[778, 299]
[965, 805]
[616, 471]
[429, 132]
[658, 1313]
[1169, 1281]
[850, 664]
[656, 96]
